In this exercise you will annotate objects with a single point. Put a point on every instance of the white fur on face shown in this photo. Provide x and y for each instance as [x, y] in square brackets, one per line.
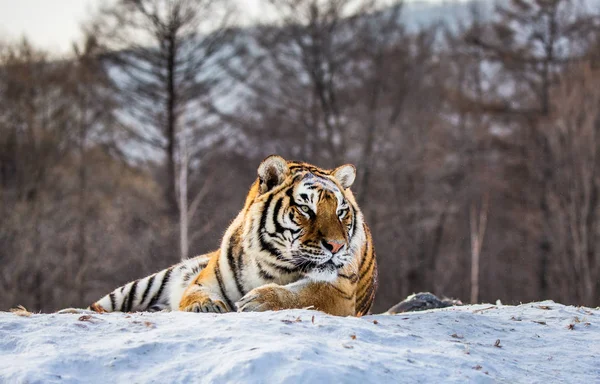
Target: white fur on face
[308, 191]
[284, 233]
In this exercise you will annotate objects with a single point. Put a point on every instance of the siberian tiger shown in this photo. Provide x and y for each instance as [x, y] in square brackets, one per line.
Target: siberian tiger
[300, 241]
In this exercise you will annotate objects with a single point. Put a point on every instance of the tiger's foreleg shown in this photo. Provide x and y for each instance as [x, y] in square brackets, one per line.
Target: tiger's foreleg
[205, 293]
[335, 298]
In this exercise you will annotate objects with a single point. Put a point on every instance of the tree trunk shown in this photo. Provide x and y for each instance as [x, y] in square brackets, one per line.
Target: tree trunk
[183, 200]
[170, 193]
[82, 224]
[478, 225]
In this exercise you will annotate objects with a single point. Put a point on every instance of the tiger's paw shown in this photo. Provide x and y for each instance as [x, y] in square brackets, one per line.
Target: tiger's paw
[205, 305]
[269, 297]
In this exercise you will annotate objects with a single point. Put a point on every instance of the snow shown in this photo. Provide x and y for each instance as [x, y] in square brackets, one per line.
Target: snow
[538, 343]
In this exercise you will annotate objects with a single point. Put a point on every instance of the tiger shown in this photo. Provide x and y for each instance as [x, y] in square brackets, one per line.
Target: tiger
[300, 241]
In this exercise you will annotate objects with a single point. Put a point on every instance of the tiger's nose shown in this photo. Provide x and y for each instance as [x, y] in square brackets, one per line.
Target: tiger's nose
[333, 246]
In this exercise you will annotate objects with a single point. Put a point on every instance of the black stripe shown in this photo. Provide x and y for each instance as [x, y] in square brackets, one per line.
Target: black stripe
[251, 237]
[364, 271]
[366, 276]
[361, 292]
[124, 302]
[353, 278]
[265, 246]
[164, 282]
[309, 168]
[370, 265]
[343, 294]
[362, 278]
[278, 227]
[290, 193]
[132, 293]
[366, 300]
[235, 268]
[297, 167]
[291, 216]
[125, 297]
[148, 287]
[200, 266]
[295, 179]
[374, 285]
[220, 281]
[240, 254]
[264, 274]
[362, 263]
[352, 211]
[113, 301]
[263, 223]
[281, 268]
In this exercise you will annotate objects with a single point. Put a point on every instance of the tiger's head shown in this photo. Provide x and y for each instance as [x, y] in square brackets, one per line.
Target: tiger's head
[309, 219]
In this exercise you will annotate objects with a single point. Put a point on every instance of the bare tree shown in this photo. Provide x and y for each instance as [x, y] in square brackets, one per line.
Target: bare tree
[490, 134]
[166, 53]
[34, 117]
[183, 199]
[574, 192]
[478, 221]
[526, 46]
[91, 116]
[303, 76]
[519, 57]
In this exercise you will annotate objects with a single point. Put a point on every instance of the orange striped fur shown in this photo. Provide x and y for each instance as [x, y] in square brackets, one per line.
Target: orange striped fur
[300, 241]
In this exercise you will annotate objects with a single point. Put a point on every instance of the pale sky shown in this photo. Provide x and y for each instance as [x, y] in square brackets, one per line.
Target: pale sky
[54, 24]
[49, 24]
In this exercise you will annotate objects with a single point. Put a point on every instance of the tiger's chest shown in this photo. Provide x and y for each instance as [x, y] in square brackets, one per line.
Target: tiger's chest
[252, 270]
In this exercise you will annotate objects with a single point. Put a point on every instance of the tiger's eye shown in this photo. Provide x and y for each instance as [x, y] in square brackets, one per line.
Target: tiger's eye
[304, 208]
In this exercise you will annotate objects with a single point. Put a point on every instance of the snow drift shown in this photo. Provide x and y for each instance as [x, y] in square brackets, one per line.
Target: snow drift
[534, 343]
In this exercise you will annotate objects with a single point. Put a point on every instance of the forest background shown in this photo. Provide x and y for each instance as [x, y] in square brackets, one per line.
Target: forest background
[473, 126]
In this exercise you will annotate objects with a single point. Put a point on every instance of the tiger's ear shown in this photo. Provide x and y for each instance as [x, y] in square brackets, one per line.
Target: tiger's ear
[345, 175]
[271, 172]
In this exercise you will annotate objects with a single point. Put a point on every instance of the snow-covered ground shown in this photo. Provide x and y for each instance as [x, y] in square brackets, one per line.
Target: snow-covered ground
[540, 342]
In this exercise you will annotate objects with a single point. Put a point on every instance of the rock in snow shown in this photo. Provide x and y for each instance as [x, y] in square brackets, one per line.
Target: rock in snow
[540, 342]
[422, 301]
